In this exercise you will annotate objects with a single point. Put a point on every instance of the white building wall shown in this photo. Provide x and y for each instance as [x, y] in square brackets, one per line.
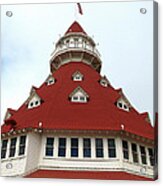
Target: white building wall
[14, 166]
[35, 158]
[33, 151]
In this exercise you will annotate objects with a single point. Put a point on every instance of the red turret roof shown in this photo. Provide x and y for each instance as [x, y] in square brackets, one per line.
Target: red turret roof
[75, 27]
[99, 113]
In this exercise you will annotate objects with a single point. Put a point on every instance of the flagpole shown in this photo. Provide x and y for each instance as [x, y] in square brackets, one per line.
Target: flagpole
[75, 14]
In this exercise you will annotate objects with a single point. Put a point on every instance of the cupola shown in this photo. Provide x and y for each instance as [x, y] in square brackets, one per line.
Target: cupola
[75, 46]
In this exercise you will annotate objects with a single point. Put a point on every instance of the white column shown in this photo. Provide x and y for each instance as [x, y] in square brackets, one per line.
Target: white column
[68, 148]
[139, 154]
[17, 146]
[93, 148]
[130, 152]
[80, 147]
[119, 149]
[55, 150]
[105, 146]
[8, 148]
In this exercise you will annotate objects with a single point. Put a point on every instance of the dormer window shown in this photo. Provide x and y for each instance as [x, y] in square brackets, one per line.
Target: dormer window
[122, 104]
[104, 82]
[79, 95]
[77, 76]
[34, 101]
[50, 80]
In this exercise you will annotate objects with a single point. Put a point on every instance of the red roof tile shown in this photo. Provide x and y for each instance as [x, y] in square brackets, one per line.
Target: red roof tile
[99, 113]
[75, 27]
[102, 175]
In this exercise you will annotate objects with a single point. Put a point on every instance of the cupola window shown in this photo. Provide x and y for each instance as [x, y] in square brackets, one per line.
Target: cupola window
[77, 76]
[79, 95]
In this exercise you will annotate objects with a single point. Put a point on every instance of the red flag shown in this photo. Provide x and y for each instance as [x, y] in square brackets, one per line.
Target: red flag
[79, 8]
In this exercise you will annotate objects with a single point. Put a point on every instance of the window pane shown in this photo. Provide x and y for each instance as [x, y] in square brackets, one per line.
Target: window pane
[87, 143]
[125, 149]
[74, 147]
[22, 145]
[87, 147]
[111, 142]
[74, 142]
[143, 155]
[22, 139]
[134, 152]
[49, 146]
[50, 141]
[99, 148]
[111, 148]
[151, 156]
[49, 151]
[112, 153]
[62, 147]
[4, 149]
[13, 147]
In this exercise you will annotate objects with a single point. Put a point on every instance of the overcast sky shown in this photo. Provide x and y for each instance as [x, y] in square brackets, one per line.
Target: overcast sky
[124, 35]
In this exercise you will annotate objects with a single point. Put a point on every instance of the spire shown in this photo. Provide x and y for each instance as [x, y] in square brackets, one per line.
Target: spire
[75, 27]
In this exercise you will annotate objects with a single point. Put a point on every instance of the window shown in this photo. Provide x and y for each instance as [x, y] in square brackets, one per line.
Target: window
[151, 156]
[79, 98]
[13, 147]
[50, 80]
[111, 148]
[31, 104]
[74, 147]
[22, 145]
[37, 102]
[125, 149]
[62, 147]
[134, 153]
[104, 83]
[143, 155]
[49, 146]
[77, 76]
[87, 147]
[4, 149]
[122, 105]
[99, 148]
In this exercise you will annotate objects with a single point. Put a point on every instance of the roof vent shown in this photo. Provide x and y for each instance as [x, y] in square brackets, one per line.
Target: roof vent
[122, 127]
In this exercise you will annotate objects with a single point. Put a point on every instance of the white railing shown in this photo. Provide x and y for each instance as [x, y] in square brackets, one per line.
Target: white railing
[78, 47]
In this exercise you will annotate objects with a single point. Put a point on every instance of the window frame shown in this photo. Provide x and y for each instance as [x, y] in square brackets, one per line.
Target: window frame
[135, 154]
[100, 148]
[12, 149]
[4, 148]
[86, 149]
[49, 147]
[125, 150]
[151, 157]
[22, 145]
[74, 148]
[62, 147]
[112, 148]
[143, 155]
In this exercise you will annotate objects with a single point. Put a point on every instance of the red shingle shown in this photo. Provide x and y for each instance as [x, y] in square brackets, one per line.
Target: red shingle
[100, 113]
[75, 27]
